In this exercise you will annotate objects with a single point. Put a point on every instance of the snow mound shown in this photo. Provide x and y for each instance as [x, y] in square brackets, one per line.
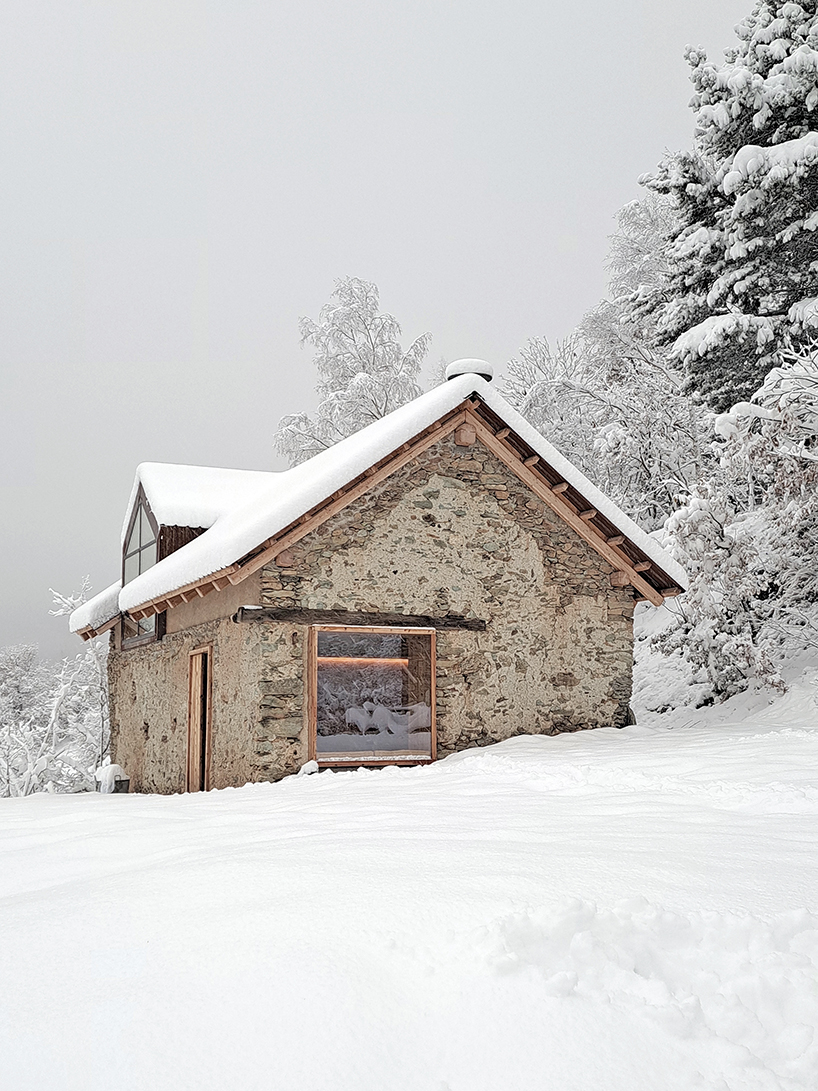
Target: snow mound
[736, 979]
[194, 496]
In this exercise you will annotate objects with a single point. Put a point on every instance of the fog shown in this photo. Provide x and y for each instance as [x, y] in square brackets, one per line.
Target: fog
[182, 181]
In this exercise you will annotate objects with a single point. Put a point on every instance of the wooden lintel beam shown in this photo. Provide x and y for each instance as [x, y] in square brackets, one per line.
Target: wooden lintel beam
[591, 513]
[587, 532]
[298, 616]
[560, 487]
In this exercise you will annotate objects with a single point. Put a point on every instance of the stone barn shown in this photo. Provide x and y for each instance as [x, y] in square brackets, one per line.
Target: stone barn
[442, 579]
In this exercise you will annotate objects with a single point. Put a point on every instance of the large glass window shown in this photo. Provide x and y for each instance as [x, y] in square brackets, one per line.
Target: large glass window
[140, 555]
[373, 695]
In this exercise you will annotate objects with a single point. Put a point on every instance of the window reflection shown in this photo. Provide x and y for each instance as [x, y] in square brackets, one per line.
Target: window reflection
[140, 548]
[374, 696]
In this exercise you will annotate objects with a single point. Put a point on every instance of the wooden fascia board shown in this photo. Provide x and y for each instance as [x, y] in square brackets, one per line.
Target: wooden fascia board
[559, 506]
[236, 573]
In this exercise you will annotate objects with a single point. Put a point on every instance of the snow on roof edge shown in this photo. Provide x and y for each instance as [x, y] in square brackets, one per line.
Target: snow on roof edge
[97, 610]
[242, 530]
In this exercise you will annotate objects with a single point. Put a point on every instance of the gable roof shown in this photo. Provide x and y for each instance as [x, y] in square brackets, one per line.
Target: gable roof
[246, 528]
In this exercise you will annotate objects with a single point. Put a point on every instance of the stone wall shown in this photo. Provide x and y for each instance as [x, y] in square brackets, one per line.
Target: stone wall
[149, 707]
[455, 532]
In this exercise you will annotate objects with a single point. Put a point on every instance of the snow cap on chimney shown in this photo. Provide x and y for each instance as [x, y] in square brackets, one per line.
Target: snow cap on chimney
[470, 367]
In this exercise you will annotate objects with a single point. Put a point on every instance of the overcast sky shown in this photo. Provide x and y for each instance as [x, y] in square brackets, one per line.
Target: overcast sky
[182, 181]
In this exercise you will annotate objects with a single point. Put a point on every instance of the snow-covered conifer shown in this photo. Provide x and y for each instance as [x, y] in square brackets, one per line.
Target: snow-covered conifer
[364, 373]
[744, 260]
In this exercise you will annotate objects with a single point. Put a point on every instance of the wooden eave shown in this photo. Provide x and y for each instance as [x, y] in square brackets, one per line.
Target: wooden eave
[89, 632]
[632, 567]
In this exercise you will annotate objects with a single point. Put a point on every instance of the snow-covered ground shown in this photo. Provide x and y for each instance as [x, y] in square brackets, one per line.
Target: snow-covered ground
[608, 911]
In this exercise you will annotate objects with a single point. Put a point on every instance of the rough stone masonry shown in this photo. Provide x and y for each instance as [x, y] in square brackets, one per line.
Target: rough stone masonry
[454, 531]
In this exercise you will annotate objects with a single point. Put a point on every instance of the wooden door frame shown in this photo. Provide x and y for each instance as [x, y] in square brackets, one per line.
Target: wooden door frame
[202, 649]
[312, 690]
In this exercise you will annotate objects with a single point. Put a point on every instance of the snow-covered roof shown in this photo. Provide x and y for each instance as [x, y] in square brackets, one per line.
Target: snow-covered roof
[98, 611]
[264, 504]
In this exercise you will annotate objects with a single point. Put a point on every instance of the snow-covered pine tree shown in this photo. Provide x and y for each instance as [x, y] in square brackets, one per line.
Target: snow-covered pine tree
[363, 372]
[748, 537]
[744, 260]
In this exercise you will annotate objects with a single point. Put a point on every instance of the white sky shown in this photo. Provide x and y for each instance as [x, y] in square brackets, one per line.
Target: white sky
[182, 181]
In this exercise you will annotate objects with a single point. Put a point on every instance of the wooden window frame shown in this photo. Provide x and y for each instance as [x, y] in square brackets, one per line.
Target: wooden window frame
[203, 649]
[312, 695]
[136, 641]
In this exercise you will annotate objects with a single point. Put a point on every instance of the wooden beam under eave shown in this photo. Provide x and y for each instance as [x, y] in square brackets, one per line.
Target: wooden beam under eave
[616, 540]
[672, 592]
[590, 514]
[532, 460]
[642, 566]
[503, 433]
[587, 532]
[560, 487]
[186, 592]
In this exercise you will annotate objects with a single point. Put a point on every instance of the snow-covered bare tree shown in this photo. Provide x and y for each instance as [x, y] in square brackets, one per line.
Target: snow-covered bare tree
[744, 259]
[53, 718]
[363, 371]
[608, 397]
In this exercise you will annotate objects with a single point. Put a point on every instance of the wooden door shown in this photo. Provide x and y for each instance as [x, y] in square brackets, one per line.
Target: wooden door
[198, 724]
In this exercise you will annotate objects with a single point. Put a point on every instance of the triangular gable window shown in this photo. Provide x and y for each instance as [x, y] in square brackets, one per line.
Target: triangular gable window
[140, 554]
